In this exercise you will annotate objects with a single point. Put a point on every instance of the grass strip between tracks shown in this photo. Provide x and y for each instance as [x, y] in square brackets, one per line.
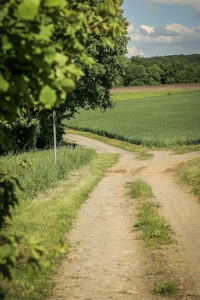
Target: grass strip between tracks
[188, 173]
[155, 230]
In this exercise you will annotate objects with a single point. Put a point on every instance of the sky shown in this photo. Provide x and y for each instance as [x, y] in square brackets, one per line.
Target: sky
[162, 27]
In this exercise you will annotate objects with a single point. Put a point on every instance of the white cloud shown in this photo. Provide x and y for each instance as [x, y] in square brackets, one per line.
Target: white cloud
[163, 31]
[133, 51]
[179, 28]
[171, 34]
[130, 28]
[149, 29]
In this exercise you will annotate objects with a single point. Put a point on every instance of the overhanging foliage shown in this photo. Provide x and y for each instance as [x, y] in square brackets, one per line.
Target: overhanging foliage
[40, 44]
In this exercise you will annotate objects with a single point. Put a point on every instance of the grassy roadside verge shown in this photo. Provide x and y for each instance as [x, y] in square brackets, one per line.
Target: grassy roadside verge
[138, 150]
[48, 217]
[188, 173]
[36, 171]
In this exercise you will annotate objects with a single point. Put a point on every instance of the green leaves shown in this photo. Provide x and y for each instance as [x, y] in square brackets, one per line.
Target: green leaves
[68, 83]
[53, 3]
[49, 54]
[3, 13]
[61, 59]
[4, 85]
[8, 254]
[47, 96]
[42, 54]
[36, 249]
[45, 40]
[28, 9]
[73, 69]
[108, 43]
[6, 45]
[45, 32]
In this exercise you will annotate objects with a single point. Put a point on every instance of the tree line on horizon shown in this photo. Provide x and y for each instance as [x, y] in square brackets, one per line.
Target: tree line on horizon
[169, 69]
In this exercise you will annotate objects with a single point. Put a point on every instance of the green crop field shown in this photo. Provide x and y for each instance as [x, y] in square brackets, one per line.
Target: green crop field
[161, 121]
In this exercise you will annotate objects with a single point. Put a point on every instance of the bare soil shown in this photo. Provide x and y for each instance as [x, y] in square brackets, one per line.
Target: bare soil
[107, 260]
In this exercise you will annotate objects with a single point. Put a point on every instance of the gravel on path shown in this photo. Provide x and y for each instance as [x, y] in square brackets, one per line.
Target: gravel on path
[106, 260]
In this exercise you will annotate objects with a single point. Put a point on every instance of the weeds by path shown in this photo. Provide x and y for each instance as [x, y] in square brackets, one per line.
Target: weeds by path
[166, 287]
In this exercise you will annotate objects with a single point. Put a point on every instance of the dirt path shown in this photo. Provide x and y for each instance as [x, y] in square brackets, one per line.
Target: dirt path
[106, 260]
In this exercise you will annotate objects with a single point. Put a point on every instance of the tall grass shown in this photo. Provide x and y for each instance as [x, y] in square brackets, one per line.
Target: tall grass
[37, 172]
[160, 121]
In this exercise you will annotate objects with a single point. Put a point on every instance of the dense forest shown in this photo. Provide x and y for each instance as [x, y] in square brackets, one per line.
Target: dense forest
[162, 70]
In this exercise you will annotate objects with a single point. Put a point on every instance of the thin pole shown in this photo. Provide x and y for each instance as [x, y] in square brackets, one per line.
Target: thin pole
[54, 134]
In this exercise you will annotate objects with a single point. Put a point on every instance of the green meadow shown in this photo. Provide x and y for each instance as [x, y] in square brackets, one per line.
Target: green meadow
[154, 120]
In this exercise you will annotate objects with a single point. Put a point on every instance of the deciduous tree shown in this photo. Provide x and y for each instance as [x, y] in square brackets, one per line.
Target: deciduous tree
[92, 90]
[40, 44]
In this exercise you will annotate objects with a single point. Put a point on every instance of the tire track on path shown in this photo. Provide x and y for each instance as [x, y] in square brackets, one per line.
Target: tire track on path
[106, 260]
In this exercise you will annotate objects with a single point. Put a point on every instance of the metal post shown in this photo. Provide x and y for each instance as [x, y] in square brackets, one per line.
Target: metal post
[54, 134]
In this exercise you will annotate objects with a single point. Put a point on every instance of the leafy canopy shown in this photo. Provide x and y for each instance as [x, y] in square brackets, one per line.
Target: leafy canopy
[40, 43]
